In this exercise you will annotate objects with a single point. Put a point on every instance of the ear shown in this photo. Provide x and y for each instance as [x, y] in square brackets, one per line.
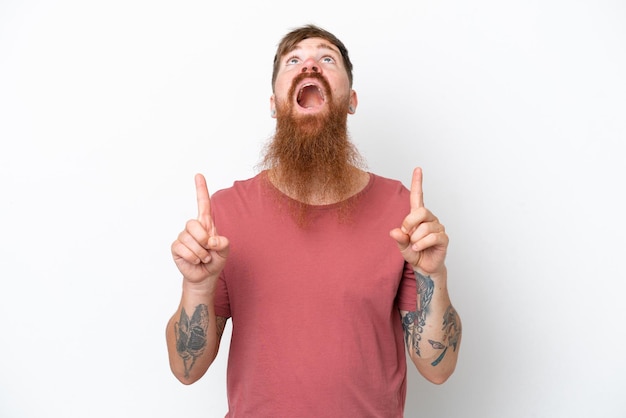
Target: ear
[353, 102]
[272, 106]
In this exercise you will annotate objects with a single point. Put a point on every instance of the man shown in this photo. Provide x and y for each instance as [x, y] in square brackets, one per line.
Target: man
[327, 271]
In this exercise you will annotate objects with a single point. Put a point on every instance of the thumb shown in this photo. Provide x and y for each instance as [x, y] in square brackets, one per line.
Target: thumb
[402, 239]
[220, 245]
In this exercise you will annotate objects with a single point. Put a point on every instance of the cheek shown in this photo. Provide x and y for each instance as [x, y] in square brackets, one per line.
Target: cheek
[340, 86]
[281, 89]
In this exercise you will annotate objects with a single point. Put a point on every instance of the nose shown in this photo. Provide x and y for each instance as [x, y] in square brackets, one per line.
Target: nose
[310, 65]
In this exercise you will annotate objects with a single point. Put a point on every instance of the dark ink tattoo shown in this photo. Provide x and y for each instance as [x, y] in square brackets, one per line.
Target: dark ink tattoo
[437, 345]
[413, 322]
[191, 335]
[452, 334]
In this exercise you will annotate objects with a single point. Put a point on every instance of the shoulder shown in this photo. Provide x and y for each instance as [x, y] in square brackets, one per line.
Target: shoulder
[386, 185]
[384, 198]
[241, 188]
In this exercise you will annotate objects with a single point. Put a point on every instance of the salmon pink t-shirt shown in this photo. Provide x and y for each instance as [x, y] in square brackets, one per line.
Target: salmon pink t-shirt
[316, 328]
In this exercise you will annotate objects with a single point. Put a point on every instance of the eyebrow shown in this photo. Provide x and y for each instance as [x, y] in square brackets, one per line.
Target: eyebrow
[321, 45]
[324, 45]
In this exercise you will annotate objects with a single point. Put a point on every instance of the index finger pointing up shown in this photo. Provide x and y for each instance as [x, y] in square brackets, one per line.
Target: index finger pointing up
[204, 202]
[417, 195]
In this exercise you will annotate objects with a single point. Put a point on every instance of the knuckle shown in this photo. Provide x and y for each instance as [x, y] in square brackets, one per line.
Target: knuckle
[175, 247]
[191, 224]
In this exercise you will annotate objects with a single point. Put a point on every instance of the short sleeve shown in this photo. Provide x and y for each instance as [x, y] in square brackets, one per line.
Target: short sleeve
[222, 302]
[407, 291]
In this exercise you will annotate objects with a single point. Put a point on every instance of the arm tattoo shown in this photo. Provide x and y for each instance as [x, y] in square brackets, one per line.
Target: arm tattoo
[191, 335]
[413, 322]
[452, 333]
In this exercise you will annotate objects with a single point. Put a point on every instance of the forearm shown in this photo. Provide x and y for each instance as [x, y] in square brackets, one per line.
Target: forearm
[433, 331]
[193, 334]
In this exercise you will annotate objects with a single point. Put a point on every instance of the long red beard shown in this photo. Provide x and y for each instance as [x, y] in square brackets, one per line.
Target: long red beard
[311, 156]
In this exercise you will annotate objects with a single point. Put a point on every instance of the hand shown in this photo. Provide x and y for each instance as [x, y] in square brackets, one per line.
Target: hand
[422, 240]
[199, 252]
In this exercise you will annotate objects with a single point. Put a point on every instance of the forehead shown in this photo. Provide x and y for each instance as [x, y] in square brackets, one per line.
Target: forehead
[314, 44]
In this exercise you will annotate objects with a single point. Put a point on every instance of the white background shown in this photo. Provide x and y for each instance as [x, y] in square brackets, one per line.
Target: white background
[515, 110]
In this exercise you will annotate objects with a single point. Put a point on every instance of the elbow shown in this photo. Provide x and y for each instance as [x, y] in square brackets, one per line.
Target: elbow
[436, 374]
[184, 376]
[186, 380]
[438, 378]
[188, 376]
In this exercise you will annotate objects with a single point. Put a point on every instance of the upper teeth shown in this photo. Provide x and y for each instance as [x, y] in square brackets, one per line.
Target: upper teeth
[309, 85]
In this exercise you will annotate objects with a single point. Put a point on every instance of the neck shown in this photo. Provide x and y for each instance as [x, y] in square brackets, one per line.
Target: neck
[321, 191]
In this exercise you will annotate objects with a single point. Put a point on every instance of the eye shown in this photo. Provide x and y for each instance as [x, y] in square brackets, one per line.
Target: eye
[292, 60]
[328, 60]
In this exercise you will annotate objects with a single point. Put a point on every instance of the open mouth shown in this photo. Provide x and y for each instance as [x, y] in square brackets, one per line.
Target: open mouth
[310, 96]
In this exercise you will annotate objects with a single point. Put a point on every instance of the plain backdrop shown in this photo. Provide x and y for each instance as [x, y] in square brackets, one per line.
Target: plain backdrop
[516, 111]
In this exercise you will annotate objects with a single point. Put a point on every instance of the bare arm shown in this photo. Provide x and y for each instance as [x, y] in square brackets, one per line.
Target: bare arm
[194, 332]
[433, 331]
[193, 337]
